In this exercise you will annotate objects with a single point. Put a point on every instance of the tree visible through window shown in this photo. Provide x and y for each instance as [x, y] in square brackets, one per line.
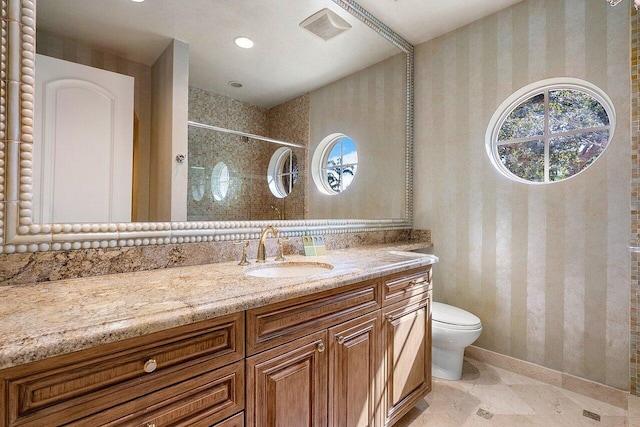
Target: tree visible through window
[334, 163]
[341, 164]
[551, 133]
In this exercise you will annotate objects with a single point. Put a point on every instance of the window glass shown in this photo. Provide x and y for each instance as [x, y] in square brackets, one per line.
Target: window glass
[282, 173]
[335, 156]
[569, 155]
[335, 163]
[220, 181]
[524, 159]
[550, 131]
[527, 119]
[341, 164]
[571, 110]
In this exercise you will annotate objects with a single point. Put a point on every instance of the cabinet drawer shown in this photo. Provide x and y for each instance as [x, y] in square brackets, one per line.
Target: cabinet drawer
[200, 401]
[278, 323]
[405, 285]
[69, 387]
[235, 421]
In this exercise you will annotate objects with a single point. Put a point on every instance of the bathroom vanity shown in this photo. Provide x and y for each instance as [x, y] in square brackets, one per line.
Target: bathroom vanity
[350, 347]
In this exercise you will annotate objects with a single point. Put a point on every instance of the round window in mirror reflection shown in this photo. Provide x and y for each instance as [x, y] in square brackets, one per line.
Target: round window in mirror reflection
[282, 173]
[220, 181]
[197, 178]
[334, 163]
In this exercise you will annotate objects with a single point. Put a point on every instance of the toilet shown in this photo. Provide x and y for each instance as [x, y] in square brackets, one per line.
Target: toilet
[453, 329]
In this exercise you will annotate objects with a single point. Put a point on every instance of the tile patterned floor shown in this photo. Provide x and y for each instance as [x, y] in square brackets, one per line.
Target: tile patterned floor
[490, 396]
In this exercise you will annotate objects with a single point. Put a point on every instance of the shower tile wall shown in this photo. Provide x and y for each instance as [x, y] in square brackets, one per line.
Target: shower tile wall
[289, 121]
[249, 196]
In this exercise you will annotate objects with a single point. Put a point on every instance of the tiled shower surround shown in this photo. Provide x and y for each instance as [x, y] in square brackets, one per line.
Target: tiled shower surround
[248, 196]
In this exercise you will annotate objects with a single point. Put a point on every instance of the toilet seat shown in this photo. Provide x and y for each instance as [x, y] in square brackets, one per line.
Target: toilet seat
[450, 317]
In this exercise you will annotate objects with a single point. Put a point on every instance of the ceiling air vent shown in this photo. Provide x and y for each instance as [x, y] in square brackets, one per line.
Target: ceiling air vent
[325, 24]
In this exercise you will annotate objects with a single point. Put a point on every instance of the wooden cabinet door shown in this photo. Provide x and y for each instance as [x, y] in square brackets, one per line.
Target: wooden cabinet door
[287, 385]
[407, 356]
[354, 386]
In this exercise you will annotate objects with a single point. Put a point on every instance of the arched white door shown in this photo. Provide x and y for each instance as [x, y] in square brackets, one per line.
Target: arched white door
[83, 143]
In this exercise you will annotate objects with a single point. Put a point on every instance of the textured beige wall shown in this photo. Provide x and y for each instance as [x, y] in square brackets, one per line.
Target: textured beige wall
[170, 102]
[368, 106]
[634, 332]
[50, 45]
[289, 121]
[546, 268]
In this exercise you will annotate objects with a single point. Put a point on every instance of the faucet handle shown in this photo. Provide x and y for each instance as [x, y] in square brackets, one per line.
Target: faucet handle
[243, 261]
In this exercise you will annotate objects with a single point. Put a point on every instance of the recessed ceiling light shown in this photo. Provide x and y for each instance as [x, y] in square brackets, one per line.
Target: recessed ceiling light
[234, 84]
[244, 42]
[137, 1]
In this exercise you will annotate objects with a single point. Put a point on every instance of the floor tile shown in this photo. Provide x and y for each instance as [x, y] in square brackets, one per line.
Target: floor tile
[634, 411]
[594, 405]
[500, 399]
[491, 396]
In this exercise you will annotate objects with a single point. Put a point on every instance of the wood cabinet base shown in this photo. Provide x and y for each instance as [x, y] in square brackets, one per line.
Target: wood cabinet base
[355, 356]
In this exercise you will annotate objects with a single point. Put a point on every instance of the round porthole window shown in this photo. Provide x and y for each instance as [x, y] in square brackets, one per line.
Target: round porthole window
[282, 172]
[550, 131]
[334, 163]
[220, 181]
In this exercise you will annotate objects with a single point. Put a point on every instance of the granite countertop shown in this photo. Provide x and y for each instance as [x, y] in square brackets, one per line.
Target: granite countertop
[42, 320]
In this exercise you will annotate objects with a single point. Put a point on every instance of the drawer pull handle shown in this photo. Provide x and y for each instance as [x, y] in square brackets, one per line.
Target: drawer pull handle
[320, 347]
[340, 340]
[151, 425]
[416, 282]
[150, 365]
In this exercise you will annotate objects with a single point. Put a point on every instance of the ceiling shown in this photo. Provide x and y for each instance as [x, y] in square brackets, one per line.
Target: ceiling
[420, 20]
[286, 60]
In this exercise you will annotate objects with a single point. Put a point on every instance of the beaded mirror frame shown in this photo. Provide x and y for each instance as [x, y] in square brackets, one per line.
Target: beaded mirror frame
[18, 232]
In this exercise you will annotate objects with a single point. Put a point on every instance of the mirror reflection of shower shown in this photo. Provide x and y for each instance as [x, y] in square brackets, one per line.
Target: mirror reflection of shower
[275, 208]
[197, 178]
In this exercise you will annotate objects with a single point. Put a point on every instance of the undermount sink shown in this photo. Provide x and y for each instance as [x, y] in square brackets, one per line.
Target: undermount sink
[289, 269]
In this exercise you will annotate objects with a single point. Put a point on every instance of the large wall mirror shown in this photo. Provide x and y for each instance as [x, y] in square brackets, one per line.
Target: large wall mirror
[181, 135]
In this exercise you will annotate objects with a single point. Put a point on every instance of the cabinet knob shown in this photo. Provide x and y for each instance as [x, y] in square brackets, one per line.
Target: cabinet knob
[340, 340]
[320, 347]
[150, 365]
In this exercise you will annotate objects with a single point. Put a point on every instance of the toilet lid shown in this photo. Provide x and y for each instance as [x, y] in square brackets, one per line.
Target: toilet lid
[445, 313]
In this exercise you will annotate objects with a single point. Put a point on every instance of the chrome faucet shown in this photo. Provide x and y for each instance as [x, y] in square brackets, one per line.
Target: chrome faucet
[261, 251]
